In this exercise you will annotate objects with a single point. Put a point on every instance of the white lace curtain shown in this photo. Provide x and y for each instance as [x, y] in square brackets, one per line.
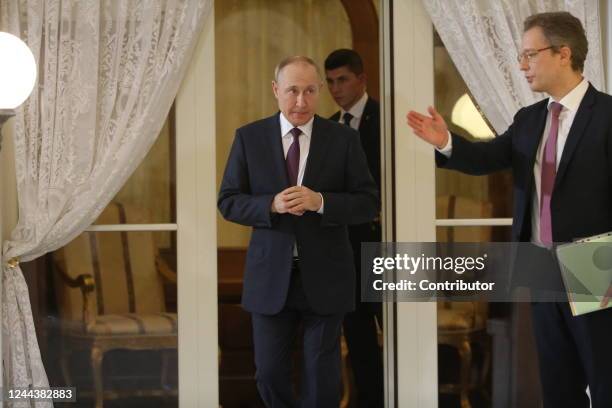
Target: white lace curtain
[108, 74]
[483, 38]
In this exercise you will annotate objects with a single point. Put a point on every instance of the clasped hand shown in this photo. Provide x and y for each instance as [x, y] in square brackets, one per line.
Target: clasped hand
[296, 200]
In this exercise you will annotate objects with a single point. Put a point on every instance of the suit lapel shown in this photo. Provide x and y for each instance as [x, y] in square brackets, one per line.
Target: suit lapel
[318, 147]
[274, 139]
[366, 116]
[576, 132]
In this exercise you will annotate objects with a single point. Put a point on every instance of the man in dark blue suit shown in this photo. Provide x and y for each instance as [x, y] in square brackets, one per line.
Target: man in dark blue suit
[560, 153]
[347, 83]
[299, 181]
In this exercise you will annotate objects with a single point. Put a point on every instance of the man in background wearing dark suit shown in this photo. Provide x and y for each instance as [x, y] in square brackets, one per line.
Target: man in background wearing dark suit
[347, 82]
[299, 180]
[560, 152]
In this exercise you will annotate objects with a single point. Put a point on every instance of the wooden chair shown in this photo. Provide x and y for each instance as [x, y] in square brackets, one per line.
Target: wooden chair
[463, 324]
[110, 296]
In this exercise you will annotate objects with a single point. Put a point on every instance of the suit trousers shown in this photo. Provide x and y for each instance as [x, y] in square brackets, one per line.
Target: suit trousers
[573, 352]
[361, 332]
[274, 339]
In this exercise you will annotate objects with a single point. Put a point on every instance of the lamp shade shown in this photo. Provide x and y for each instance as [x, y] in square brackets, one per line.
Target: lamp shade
[17, 71]
[466, 115]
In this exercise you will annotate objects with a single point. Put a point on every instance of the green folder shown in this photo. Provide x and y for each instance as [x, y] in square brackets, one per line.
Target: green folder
[586, 268]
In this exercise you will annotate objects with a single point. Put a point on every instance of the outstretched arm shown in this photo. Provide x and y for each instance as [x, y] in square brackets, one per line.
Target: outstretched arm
[476, 158]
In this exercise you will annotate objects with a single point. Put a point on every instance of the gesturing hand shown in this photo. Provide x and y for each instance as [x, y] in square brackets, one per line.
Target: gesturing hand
[431, 129]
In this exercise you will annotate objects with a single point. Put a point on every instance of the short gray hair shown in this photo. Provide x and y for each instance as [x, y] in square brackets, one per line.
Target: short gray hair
[296, 59]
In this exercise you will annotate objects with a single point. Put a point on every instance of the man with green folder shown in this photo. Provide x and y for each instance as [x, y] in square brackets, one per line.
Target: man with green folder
[560, 153]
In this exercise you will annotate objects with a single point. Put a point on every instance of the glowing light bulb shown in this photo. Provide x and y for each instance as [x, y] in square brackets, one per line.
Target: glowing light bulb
[17, 71]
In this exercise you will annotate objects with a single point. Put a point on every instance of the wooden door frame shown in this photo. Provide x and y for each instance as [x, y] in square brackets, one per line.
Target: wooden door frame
[363, 19]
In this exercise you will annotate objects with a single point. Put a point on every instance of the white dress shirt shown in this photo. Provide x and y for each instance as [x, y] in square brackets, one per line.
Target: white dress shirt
[356, 110]
[570, 103]
[304, 139]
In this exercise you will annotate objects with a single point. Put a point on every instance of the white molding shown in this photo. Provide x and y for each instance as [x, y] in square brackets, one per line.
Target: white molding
[131, 227]
[473, 222]
[386, 84]
[197, 228]
[605, 19]
[8, 198]
[417, 336]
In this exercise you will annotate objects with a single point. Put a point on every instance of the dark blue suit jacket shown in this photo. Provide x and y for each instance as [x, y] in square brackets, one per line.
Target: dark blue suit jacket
[369, 133]
[256, 172]
[581, 204]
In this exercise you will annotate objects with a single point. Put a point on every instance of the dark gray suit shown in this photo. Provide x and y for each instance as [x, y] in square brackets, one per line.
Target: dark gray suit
[360, 330]
[318, 289]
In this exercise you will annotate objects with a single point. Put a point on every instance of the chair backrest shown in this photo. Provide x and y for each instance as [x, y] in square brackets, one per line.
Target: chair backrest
[450, 206]
[123, 265]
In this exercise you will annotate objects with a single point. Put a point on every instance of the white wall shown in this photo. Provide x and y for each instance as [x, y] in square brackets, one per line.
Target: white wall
[197, 228]
[416, 329]
[605, 14]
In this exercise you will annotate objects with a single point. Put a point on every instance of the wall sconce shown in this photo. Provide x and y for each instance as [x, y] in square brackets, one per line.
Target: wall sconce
[466, 115]
[17, 75]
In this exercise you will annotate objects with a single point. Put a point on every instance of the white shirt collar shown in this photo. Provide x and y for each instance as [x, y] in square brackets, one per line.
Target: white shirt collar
[357, 109]
[286, 126]
[572, 100]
